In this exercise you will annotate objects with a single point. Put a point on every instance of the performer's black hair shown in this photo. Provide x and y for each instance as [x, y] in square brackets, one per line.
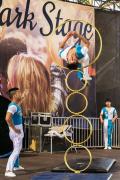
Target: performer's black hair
[108, 100]
[12, 91]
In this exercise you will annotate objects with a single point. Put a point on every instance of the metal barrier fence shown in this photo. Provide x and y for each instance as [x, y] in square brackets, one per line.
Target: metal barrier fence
[34, 134]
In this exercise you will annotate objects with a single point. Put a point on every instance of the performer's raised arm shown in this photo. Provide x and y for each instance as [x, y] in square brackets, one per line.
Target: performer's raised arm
[69, 34]
[84, 40]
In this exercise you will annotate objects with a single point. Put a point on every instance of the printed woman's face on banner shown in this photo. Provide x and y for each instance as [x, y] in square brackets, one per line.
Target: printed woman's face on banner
[39, 72]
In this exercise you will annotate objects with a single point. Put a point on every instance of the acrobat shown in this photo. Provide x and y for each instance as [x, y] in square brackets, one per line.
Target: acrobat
[76, 55]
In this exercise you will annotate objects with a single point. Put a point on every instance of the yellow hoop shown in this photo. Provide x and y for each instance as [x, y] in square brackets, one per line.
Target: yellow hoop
[66, 81]
[79, 143]
[74, 170]
[100, 39]
[86, 104]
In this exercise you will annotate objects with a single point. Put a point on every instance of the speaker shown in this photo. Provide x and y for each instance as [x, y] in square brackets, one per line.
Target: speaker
[41, 119]
[45, 119]
[35, 118]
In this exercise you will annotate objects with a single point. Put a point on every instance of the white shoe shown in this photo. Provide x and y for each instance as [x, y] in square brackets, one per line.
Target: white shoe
[88, 78]
[106, 148]
[109, 147]
[10, 174]
[18, 168]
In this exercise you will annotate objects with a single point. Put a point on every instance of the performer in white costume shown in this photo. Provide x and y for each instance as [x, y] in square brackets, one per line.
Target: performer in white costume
[76, 55]
[108, 116]
[14, 120]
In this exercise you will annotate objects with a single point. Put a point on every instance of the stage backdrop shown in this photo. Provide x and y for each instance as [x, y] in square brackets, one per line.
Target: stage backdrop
[30, 26]
[108, 66]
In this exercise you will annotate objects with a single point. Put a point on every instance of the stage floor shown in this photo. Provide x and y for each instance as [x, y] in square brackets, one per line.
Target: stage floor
[35, 163]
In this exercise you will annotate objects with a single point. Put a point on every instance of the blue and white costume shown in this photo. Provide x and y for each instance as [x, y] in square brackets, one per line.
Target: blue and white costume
[108, 114]
[16, 112]
[83, 59]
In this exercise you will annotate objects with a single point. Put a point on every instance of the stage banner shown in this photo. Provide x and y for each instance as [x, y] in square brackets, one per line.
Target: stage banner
[30, 35]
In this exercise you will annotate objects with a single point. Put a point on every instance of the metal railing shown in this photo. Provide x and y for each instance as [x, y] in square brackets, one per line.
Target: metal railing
[34, 134]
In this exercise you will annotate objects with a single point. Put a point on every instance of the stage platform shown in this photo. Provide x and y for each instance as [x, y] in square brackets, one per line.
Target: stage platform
[98, 165]
[71, 176]
[45, 162]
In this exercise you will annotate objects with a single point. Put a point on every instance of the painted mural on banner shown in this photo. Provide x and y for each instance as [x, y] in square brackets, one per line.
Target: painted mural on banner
[29, 57]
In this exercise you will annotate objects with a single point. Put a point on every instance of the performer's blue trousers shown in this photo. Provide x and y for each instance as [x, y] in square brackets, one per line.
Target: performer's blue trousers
[17, 162]
[110, 129]
[79, 73]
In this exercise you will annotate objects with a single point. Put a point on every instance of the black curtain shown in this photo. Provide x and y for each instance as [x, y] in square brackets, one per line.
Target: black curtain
[108, 65]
